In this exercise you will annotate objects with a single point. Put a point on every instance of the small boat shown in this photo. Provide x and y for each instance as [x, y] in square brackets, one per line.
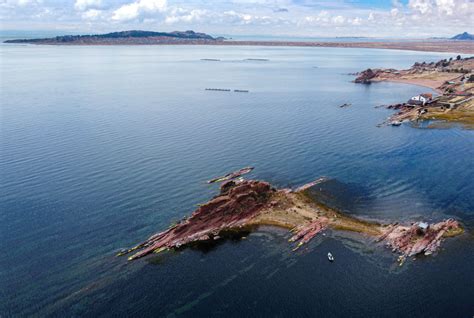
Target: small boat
[330, 257]
[232, 175]
[345, 105]
[396, 123]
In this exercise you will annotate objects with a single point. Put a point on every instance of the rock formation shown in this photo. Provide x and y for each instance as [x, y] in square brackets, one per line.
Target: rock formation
[236, 204]
[244, 203]
[411, 240]
[366, 76]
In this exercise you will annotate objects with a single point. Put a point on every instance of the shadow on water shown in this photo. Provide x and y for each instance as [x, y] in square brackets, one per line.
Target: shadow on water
[345, 197]
[205, 247]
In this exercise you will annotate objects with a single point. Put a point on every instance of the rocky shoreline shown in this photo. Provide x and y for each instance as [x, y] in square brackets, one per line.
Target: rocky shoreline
[244, 204]
[453, 79]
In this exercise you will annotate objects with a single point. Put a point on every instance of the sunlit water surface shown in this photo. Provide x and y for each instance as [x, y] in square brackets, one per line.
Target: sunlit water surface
[103, 146]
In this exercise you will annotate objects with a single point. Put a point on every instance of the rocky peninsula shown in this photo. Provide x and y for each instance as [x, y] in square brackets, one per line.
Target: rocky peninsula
[243, 205]
[452, 78]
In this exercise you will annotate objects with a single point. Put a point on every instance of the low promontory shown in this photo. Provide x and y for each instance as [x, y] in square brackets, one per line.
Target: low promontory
[244, 204]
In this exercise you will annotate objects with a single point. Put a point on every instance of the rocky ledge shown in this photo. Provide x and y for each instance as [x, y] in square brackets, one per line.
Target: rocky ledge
[366, 77]
[246, 203]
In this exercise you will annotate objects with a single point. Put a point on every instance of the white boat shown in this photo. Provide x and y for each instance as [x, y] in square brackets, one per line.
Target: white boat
[330, 257]
[396, 123]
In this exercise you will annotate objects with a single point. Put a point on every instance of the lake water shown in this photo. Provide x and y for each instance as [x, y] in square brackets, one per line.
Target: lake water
[103, 146]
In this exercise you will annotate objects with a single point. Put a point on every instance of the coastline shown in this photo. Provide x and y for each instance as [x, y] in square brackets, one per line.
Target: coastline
[442, 46]
[452, 79]
[449, 46]
[434, 85]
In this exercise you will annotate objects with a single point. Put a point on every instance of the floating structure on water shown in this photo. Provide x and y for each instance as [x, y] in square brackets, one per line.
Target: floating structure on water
[261, 60]
[218, 89]
[227, 90]
[212, 60]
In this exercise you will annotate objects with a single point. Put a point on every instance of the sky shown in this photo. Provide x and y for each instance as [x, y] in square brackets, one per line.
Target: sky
[301, 18]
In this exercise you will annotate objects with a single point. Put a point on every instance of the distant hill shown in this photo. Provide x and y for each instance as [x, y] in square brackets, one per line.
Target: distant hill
[124, 37]
[463, 36]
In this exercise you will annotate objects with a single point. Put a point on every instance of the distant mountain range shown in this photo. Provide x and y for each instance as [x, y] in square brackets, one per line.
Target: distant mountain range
[124, 37]
[463, 36]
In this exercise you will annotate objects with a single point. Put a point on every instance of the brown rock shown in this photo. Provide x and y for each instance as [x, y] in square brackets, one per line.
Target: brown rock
[366, 76]
[234, 207]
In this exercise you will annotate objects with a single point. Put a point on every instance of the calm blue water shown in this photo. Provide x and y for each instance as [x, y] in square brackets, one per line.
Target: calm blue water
[103, 146]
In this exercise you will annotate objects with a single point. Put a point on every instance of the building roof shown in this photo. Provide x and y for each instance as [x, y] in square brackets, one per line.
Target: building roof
[427, 95]
[423, 225]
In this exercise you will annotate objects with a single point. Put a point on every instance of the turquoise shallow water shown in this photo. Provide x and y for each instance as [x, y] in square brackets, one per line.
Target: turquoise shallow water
[103, 146]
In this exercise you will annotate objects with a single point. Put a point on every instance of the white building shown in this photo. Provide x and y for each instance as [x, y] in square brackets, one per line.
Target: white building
[421, 99]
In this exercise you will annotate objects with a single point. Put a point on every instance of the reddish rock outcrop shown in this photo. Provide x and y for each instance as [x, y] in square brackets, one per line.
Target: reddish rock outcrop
[305, 233]
[311, 184]
[232, 208]
[366, 76]
[412, 240]
[248, 202]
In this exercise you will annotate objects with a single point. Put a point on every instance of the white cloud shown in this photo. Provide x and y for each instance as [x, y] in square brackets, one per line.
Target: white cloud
[356, 21]
[139, 9]
[82, 5]
[420, 6]
[326, 19]
[18, 3]
[301, 17]
[92, 14]
[179, 15]
[442, 7]
[338, 19]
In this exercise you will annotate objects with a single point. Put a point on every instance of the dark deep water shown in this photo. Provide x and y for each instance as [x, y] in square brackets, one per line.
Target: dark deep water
[103, 146]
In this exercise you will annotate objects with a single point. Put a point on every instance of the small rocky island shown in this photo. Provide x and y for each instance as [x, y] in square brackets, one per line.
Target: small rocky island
[126, 37]
[452, 78]
[242, 205]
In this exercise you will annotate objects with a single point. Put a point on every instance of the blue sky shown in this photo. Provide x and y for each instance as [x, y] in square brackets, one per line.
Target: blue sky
[318, 18]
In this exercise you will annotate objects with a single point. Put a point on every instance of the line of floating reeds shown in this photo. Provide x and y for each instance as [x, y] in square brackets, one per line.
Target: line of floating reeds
[218, 89]
[249, 59]
[227, 90]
